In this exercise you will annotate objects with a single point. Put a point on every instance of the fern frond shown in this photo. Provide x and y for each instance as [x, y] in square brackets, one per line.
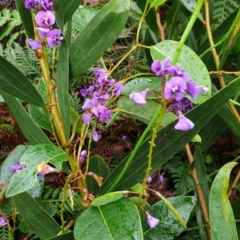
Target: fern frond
[4, 233]
[222, 9]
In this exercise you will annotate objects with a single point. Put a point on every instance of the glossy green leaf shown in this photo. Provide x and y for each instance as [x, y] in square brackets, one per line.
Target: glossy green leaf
[222, 220]
[98, 166]
[13, 82]
[62, 87]
[156, 3]
[168, 142]
[29, 128]
[82, 17]
[168, 226]
[69, 7]
[26, 18]
[42, 224]
[143, 113]
[98, 36]
[26, 179]
[117, 220]
[39, 114]
[189, 61]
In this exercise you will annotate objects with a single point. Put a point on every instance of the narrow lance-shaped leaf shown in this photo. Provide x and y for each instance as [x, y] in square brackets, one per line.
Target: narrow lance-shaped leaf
[13, 82]
[98, 36]
[29, 128]
[26, 18]
[40, 222]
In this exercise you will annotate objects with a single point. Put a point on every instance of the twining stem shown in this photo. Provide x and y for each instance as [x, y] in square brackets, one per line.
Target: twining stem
[155, 129]
[201, 199]
[216, 57]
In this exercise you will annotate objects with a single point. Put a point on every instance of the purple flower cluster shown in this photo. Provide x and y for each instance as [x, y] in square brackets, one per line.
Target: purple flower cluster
[45, 19]
[175, 89]
[96, 97]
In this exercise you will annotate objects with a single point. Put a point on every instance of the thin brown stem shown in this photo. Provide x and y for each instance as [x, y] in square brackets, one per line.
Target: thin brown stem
[159, 24]
[234, 184]
[199, 192]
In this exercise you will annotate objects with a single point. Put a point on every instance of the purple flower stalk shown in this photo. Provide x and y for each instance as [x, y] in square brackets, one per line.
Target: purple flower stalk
[2, 222]
[139, 97]
[152, 221]
[184, 124]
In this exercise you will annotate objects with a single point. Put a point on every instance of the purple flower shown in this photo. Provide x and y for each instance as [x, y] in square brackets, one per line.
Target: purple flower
[96, 136]
[152, 221]
[175, 86]
[30, 3]
[193, 90]
[184, 124]
[102, 113]
[139, 97]
[45, 5]
[184, 105]
[149, 179]
[86, 91]
[101, 75]
[161, 178]
[100, 97]
[45, 18]
[43, 32]
[162, 68]
[16, 168]
[34, 44]
[83, 155]
[86, 117]
[54, 38]
[89, 103]
[2, 222]
[43, 168]
[117, 89]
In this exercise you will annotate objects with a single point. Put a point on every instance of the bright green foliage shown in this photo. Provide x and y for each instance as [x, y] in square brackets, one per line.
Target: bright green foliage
[220, 210]
[116, 220]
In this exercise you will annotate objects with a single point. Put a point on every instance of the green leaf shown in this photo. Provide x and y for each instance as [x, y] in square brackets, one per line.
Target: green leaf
[156, 3]
[68, 236]
[189, 61]
[220, 210]
[117, 220]
[169, 141]
[13, 82]
[69, 7]
[38, 114]
[42, 224]
[82, 17]
[143, 113]
[98, 36]
[62, 87]
[99, 167]
[168, 226]
[26, 179]
[26, 17]
[28, 127]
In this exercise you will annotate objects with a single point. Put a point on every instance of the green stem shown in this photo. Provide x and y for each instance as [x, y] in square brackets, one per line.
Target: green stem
[134, 152]
[187, 31]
